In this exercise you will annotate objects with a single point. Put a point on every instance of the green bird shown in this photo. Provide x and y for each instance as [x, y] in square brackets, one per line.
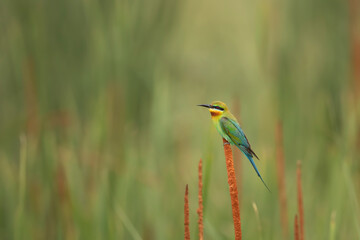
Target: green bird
[229, 128]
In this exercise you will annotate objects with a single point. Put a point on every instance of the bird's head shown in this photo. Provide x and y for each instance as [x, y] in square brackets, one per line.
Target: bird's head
[216, 108]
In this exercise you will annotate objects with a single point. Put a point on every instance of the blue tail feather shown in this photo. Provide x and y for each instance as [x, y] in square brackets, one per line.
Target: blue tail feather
[254, 166]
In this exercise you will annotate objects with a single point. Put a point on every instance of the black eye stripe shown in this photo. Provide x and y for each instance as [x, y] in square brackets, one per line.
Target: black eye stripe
[217, 107]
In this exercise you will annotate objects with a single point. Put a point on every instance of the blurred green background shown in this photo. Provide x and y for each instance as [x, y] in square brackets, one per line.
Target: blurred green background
[100, 131]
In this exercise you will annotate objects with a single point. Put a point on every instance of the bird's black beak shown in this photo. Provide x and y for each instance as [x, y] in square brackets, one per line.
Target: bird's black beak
[205, 105]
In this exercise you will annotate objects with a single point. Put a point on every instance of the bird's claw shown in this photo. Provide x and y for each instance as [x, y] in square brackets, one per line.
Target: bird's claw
[226, 143]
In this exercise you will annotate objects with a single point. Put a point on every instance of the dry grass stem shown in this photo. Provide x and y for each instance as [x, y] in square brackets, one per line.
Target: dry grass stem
[332, 225]
[256, 210]
[233, 189]
[31, 98]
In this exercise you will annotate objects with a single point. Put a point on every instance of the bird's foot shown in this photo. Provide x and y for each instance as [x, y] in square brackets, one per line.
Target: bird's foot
[226, 143]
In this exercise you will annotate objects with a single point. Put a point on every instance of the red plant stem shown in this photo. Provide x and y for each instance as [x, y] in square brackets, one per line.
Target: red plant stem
[186, 213]
[280, 165]
[354, 37]
[200, 209]
[233, 189]
[296, 228]
[62, 189]
[300, 201]
[354, 17]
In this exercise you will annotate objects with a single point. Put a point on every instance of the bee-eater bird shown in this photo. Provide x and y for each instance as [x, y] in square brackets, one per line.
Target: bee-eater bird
[229, 128]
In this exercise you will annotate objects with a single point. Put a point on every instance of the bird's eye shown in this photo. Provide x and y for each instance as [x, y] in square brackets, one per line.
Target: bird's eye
[218, 108]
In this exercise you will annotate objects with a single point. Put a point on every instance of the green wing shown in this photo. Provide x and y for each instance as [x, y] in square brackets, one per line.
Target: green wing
[237, 135]
[233, 130]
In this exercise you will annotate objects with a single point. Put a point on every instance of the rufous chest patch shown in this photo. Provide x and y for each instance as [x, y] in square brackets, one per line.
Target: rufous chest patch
[215, 113]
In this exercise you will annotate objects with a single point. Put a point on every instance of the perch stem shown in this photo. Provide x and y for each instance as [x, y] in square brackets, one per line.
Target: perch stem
[233, 189]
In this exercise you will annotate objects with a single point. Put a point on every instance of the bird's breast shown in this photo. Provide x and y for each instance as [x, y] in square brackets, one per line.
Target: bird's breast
[215, 113]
